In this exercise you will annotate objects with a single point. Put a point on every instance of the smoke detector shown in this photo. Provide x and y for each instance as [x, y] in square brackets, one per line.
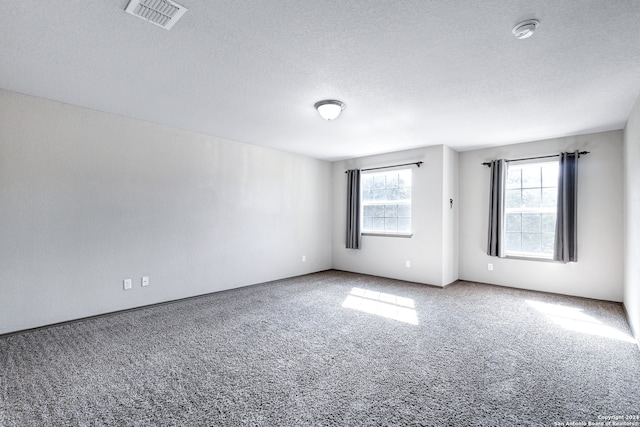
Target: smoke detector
[525, 28]
[163, 13]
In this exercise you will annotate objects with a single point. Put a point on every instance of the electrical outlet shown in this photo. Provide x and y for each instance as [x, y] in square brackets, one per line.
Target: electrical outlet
[145, 280]
[127, 284]
[490, 267]
[304, 258]
[407, 264]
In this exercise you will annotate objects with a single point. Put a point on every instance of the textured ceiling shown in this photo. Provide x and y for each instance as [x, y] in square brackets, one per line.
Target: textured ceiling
[412, 72]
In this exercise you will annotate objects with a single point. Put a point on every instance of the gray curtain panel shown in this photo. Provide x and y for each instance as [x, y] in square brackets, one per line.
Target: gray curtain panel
[496, 208]
[353, 209]
[565, 247]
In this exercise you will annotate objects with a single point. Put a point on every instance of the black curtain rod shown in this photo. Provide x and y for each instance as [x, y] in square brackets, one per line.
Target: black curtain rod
[581, 153]
[392, 166]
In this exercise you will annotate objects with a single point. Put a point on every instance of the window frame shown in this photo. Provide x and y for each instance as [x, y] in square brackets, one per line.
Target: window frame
[527, 210]
[363, 204]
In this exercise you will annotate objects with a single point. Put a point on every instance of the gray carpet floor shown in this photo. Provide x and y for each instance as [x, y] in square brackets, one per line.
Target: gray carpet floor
[330, 348]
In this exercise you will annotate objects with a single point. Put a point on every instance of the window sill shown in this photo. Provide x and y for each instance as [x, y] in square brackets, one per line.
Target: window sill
[529, 258]
[405, 235]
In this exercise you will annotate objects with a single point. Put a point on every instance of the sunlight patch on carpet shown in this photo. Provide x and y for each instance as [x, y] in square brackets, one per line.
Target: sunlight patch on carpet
[382, 304]
[574, 319]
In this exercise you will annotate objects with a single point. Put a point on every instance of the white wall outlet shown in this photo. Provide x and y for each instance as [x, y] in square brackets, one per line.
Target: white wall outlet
[490, 267]
[145, 280]
[407, 264]
[127, 284]
[304, 258]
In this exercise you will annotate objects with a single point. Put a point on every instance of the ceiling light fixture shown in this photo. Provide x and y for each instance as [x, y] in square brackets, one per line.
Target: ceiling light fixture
[525, 28]
[329, 109]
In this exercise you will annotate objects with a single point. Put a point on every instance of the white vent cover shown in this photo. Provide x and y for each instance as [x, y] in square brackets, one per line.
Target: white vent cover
[163, 13]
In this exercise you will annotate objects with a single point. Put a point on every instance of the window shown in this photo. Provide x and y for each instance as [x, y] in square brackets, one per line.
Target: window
[386, 202]
[531, 192]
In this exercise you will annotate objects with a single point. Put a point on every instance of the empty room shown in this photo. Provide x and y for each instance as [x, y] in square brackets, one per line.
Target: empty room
[294, 213]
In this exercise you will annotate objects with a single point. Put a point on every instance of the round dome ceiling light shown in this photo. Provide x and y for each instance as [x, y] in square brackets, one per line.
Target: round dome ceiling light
[525, 28]
[329, 109]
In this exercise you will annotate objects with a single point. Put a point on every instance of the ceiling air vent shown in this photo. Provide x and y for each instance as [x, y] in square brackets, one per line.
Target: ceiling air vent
[163, 13]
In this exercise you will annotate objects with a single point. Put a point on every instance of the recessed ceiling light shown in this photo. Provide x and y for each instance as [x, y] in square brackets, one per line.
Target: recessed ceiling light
[525, 28]
[329, 109]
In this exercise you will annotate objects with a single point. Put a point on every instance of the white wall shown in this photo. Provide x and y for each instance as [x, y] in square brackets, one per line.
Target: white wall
[632, 219]
[385, 256]
[88, 199]
[598, 272]
[450, 216]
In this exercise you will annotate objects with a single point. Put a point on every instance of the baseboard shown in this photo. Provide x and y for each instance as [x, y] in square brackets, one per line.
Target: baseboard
[392, 278]
[633, 332]
[452, 283]
[539, 291]
[145, 306]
